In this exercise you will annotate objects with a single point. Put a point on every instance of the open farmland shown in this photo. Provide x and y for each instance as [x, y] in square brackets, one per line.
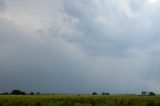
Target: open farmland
[74, 100]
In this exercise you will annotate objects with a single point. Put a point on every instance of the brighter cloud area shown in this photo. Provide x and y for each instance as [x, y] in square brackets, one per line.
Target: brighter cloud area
[80, 46]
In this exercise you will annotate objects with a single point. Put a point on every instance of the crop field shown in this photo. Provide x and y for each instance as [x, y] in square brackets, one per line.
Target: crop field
[76, 100]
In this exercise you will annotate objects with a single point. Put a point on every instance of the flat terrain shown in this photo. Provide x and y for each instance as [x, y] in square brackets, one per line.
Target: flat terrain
[78, 100]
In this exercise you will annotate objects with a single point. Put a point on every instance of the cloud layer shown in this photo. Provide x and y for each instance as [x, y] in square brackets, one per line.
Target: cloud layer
[79, 46]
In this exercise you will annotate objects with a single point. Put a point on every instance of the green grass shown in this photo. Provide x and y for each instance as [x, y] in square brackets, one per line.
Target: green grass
[74, 100]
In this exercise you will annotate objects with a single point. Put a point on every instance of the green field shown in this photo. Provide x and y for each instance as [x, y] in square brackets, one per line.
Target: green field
[76, 100]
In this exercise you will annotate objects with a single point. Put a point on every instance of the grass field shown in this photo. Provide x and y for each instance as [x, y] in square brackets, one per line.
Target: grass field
[75, 100]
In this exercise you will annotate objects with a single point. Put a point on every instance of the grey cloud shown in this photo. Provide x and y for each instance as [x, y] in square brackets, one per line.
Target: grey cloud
[2, 4]
[136, 5]
[37, 61]
[104, 28]
[110, 29]
[78, 46]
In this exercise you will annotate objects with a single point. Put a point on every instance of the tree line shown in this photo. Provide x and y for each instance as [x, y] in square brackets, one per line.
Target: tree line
[143, 93]
[19, 92]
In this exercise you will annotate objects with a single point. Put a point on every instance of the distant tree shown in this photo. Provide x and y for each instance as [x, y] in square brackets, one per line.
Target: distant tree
[31, 93]
[105, 93]
[17, 92]
[5, 93]
[151, 94]
[38, 93]
[144, 93]
[22, 93]
[94, 93]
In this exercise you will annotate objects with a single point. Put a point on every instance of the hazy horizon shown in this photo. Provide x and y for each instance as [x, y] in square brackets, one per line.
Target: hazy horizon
[80, 46]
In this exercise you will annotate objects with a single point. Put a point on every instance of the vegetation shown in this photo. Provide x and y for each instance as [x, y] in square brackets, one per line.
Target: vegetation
[105, 93]
[145, 93]
[17, 92]
[94, 93]
[80, 100]
[151, 94]
[21, 98]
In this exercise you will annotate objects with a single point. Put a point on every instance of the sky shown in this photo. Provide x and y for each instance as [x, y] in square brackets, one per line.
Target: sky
[80, 46]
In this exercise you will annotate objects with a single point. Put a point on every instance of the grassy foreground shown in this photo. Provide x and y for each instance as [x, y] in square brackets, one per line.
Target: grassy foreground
[74, 100]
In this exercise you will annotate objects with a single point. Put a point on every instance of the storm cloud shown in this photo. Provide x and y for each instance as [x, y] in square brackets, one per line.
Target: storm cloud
[77, 46]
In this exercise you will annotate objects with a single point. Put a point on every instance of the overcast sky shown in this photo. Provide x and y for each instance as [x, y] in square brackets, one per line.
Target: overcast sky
[80, 46]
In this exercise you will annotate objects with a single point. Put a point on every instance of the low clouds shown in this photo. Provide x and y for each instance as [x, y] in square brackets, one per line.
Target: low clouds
[79, 46]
